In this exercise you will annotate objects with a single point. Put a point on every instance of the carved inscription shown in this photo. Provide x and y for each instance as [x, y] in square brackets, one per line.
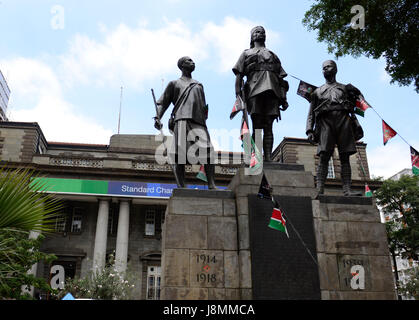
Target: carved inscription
[206, 268]
[354, 272]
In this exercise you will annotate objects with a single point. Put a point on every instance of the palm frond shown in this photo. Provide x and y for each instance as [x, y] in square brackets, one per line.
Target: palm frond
[24, 204]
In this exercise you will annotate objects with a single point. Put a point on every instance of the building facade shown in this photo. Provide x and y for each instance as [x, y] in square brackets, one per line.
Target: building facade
[4, 97]
[116, 195]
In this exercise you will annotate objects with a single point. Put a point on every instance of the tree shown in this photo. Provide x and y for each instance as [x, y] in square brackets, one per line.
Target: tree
[24, 207]
[400, 199]
[17, 255]
[391, 30]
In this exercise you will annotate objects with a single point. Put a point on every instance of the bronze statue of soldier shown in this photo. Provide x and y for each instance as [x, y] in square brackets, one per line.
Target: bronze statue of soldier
[330, 122]
[265, 88]
[188, 119]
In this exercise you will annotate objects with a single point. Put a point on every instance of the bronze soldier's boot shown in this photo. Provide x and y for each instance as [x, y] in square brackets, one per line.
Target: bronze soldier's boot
[268, 141]
[179, 171]
[346, 174]
[321, 177]
[210, 171]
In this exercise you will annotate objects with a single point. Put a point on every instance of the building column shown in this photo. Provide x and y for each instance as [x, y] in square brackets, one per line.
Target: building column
[99, 252]
[121, 254]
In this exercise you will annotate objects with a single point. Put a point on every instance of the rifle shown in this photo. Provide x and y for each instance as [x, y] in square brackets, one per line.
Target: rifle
[157, 111]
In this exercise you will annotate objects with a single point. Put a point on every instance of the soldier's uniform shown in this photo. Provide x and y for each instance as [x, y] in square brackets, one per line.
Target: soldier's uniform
[187, 95]
[329, 118]
[264, 89]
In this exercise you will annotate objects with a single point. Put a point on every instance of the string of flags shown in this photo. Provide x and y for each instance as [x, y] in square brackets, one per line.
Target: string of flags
[277, 220]
[305, 90]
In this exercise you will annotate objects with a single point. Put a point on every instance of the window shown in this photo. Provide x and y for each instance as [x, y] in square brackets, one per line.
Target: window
[70, 219]
[60, 223]
[76, 220]
[330, 169]
[150, 225]
[153, 282]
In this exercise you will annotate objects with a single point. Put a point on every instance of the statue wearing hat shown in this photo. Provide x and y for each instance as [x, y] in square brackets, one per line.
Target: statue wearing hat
[188, 123]
[265, 88]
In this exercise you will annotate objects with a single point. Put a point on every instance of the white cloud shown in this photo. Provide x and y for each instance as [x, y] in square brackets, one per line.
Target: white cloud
[385, 161]
[131, 56]
[228, 40]
[37, 87]
[136, 55]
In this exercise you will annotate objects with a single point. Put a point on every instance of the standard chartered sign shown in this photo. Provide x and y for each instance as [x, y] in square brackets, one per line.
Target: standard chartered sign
[112, 188]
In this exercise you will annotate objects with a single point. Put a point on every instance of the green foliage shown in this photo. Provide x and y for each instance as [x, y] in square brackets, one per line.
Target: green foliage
[17, 255]
[410, 288]
[105, 284]
[391, 30]
[23, 208]
[23, 205]
[401, 198]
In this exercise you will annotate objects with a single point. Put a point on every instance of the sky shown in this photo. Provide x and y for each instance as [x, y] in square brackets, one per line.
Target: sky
[66, 61]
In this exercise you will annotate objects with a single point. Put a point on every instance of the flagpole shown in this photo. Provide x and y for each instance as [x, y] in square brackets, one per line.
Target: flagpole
[120, 106]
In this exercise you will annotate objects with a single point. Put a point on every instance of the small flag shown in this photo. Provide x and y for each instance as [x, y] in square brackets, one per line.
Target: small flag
[265, 189]
[305, 90]
[278, 222]
[250, 150]
[415, 161]
[201, 174]
[388, 132]
[368, 192]
[238, 106]
[244, 129]
[361, 106]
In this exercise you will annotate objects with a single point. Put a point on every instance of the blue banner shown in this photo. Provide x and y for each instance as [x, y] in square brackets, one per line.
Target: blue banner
[145, 189]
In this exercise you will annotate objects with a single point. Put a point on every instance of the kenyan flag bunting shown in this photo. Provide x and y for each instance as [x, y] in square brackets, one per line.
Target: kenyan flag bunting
[278, 222]
[305, 90]
[265, 189]
[361, 106]
[201, 174]
[388, 132]
[368, 192]
[415, 161]
[249, 146]
[238, 106]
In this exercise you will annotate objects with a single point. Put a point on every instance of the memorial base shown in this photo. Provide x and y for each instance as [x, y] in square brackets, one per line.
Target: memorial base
[217, 245]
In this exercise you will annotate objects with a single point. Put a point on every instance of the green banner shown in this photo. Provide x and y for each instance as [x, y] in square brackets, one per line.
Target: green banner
[73, 185]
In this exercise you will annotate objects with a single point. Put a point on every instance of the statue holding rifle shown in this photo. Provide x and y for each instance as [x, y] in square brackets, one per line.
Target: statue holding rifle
[265, 88]
[191, 142]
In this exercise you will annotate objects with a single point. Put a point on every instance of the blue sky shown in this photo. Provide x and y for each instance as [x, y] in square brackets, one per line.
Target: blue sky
[65, 62]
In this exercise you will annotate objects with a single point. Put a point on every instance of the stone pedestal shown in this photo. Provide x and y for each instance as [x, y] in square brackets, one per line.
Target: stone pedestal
[349, 234]
[217, 244]
[199, 246]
